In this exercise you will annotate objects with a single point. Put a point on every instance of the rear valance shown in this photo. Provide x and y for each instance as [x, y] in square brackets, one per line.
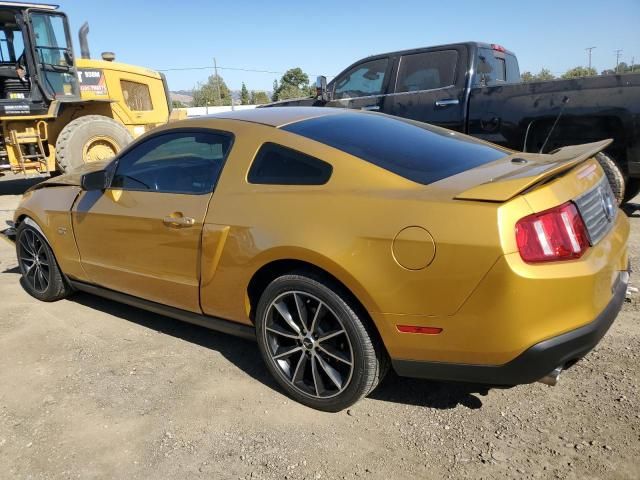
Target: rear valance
[533, 169]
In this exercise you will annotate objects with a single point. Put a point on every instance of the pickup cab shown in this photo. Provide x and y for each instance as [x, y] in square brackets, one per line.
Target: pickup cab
[475, 88]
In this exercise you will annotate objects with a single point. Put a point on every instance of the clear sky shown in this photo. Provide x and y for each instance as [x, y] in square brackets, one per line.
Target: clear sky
[323, 37]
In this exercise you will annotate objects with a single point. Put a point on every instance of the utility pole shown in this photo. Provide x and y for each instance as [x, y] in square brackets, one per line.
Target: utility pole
[633, 64]
[215, 67]
[588, 49]
[618, 55]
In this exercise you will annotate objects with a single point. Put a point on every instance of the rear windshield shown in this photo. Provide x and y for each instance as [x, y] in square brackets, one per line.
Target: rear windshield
[416, 151]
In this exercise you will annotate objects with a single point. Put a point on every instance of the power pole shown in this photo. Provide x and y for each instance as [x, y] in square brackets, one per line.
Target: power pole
[633, 64]
[215, 68]
[618, 55]
[588, 49]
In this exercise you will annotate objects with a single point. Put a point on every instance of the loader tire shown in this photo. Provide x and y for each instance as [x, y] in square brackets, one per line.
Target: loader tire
[88, 139]
[615, 175]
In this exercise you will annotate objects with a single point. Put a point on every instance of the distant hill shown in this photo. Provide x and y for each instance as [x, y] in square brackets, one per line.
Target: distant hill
[182, 96]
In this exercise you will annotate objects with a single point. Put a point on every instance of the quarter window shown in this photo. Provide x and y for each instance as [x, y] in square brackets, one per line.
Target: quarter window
[136, 96]
[363, 80]
[278, 165]
[181, 162]
[427, 71]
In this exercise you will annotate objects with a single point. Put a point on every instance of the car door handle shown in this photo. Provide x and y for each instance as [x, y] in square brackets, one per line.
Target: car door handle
[371, 108]
[447, 102]
[178, 221]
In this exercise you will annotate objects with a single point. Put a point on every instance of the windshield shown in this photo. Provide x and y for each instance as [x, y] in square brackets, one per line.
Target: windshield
[50, 33]
[416, 151]
[50, 38]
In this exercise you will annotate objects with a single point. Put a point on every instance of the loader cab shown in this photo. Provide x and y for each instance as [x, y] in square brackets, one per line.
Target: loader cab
[37, 64]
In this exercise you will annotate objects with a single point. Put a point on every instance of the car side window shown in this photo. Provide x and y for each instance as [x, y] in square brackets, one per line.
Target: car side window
[426, 71]
[179, 162]
[278, 165]
[362, 80]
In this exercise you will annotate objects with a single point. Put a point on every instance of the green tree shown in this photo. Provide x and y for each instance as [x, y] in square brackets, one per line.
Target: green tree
[244, 95]
[274, 94]
[259, 98]
[214, 92]
[527, 77]
[293, 84]
[578, 72]
[177, 104]
[544, 75]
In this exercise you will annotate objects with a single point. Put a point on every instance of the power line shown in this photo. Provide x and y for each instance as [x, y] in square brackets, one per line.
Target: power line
[252, 70]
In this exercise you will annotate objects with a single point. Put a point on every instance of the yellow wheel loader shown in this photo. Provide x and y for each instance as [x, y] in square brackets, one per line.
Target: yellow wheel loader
[58, 111]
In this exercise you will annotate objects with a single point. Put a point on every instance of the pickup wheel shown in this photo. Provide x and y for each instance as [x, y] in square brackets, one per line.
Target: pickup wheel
[614, 174]
[320, 351]
[41, 275]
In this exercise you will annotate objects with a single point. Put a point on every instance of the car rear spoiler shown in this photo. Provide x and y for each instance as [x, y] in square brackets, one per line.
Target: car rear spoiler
[535, 168]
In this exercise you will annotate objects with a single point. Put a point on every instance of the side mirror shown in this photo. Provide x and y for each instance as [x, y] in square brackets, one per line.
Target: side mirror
[94, 181]
[321, 89]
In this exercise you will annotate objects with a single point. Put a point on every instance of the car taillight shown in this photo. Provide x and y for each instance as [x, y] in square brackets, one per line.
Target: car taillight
[555, 234]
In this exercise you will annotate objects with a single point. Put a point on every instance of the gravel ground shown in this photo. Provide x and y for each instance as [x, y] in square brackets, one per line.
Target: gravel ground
[90, 388]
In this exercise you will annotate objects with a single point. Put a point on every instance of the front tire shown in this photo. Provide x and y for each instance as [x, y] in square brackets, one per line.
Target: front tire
[321, 352]
[88, 139]
[41, 275]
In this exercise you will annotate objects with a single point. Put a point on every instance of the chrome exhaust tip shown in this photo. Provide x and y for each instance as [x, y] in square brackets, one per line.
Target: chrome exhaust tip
[552, 378]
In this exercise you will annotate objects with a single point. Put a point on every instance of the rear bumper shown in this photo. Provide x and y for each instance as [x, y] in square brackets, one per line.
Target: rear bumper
[535, 362]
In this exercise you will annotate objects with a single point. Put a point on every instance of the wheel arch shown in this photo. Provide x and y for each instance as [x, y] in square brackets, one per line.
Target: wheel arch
[341, 280]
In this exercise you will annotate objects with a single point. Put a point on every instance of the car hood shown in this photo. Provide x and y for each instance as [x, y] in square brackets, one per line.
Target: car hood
[72, 177]
[503, 179]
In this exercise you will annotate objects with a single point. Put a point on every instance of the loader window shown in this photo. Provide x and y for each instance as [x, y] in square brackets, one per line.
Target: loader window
[11, 46]
[136, 96]
[51, 38]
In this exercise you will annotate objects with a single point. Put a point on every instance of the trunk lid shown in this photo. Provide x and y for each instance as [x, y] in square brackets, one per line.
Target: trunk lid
[503, 179]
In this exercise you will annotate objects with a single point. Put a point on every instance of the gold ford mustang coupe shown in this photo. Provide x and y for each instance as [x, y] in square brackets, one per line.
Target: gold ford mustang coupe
[344, 242]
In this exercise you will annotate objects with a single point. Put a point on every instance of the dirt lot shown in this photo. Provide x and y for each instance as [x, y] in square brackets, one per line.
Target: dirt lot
[90, 388]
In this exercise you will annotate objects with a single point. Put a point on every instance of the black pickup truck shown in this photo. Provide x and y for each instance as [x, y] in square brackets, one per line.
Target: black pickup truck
[475, 88]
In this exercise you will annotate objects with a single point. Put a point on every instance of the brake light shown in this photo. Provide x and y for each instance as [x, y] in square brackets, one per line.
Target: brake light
[498, 48]
[555, 234]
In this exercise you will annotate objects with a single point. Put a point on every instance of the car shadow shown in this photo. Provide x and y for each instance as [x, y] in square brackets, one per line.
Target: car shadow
[244, 354]
[16, 185]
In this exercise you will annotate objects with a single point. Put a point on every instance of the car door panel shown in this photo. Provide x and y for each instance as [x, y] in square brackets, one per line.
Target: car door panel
[126, 243]
[143, 235]
[429, 87]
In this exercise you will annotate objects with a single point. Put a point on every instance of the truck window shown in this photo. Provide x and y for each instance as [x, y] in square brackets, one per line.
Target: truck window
[426, 71]
[495, 68]
[362, 80]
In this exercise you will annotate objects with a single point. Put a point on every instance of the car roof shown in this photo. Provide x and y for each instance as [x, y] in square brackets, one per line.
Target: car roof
[277, 116]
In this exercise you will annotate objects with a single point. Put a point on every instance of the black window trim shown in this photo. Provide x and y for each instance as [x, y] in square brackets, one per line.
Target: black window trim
[279, 145]
[113, 166]
[455, 71]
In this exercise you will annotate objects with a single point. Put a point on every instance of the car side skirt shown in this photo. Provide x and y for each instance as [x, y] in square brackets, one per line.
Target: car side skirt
[213, 323]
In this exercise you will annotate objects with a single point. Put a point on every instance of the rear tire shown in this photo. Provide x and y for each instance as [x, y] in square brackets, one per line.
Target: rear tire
[615, 175]
[327, 364]
[90, 138]
[41, 275]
